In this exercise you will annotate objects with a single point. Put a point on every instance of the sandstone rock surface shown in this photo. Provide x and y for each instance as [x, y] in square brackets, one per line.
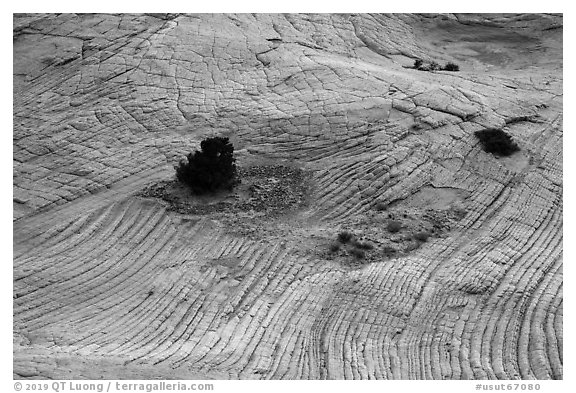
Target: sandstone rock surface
[110, 282]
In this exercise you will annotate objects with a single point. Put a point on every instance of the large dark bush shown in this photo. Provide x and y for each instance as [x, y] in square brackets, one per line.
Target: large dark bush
[420, 65]
[451, 67]
[345, 237]
[211, 169]
[497, 142]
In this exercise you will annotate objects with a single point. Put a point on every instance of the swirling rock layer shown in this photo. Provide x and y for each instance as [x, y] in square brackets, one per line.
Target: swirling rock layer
[110, 283]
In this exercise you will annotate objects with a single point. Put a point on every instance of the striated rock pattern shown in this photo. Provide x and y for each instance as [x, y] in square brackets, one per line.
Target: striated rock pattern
[111, 283]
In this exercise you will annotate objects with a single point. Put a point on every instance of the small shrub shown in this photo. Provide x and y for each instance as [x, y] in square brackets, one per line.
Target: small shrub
[394, 226]
[459, 213]
[334, 247]
[358, 254]
[381, 206]
[363, 245]
[434, 66]
[418, 63]
[210, 169]
[497, 142]
[451, 67]
[344, 237]
[421, 236]
[389, 251]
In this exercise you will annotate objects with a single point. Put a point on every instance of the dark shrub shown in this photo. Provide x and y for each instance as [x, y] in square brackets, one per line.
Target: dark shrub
[497, 142]
[358, 254]
[394, 226]
[421, 236]
[344, 237]
[434, 66]
[380, 206]
[451, 67]
[418, 63]
[211, 169]
[363, 245]
[459, 213]
[334, 247]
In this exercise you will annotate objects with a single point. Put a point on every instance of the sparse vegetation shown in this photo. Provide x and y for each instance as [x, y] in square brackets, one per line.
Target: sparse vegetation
[398, 233]
[344, 237]
[394, 226]
[389, 252]
[334, 247]
[459, 213]
[417, 126]
[497, 142]
[363, 245]
[357, 253]
[211, 169]
[421, 236]
[349, 243]
[380, 206]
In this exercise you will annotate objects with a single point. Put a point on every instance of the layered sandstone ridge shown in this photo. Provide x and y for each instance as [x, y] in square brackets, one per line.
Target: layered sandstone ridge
[110, 283]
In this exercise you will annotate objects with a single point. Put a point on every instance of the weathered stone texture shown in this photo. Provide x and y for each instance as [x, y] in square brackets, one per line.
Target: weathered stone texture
[108, 284]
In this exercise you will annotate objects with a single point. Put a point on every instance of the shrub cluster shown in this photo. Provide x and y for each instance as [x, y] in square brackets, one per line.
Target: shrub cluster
[344, 237]
[355, 248]
[357, 253]
[497, 142]
[211, 169]
[363, 245]
[433, 66]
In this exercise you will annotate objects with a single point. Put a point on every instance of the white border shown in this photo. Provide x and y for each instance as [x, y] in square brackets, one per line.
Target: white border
[296, 6]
